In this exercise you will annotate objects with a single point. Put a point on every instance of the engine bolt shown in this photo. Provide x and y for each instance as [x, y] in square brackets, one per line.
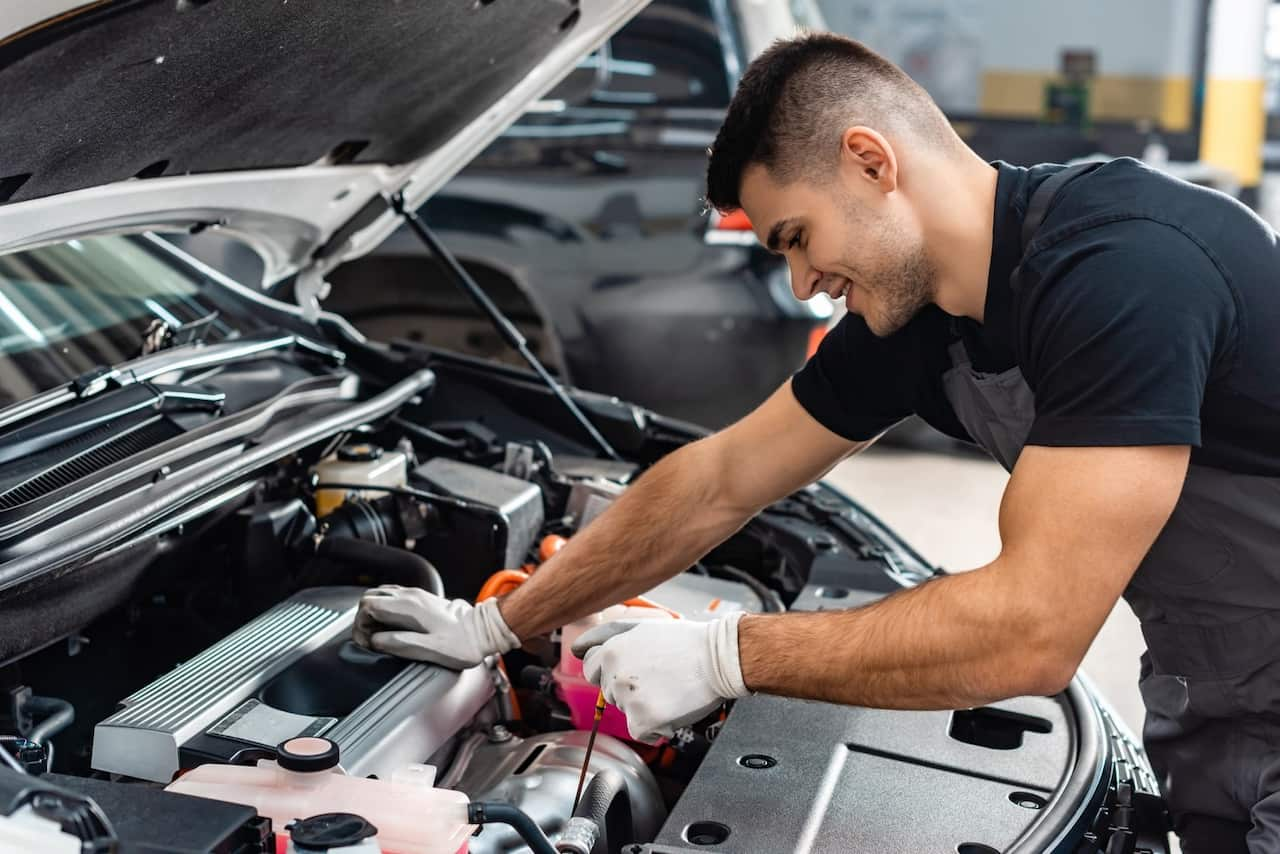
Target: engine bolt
[499, 734]
[757, 761]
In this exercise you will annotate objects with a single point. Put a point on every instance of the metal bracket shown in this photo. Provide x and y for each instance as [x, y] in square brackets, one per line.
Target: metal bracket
[309, 289]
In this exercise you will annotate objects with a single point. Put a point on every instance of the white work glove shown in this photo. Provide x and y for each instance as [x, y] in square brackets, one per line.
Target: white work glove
[412, 623]
[664, 674]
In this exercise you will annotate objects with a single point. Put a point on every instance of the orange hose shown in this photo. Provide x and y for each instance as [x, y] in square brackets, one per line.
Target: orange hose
[502, 582]
[499, 584]
[550, 544]
[641, 602]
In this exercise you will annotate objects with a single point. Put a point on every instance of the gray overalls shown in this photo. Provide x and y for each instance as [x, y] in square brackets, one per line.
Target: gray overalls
[1208, 597]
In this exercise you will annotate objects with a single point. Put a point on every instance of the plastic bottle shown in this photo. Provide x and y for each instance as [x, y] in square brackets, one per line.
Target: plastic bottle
[574, 689]
[361, 464]
[411, 815]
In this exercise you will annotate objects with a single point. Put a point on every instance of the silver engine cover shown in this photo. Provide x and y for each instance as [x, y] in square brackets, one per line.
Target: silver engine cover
[211, 698]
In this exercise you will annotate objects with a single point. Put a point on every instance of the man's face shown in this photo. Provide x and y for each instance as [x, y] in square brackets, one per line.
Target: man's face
[846, 239]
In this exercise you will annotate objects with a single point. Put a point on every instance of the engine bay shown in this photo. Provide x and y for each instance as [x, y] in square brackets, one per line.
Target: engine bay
[207, 646]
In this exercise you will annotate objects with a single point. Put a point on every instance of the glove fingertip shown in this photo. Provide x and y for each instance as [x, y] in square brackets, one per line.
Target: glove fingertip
[598, 635]
[591, 666]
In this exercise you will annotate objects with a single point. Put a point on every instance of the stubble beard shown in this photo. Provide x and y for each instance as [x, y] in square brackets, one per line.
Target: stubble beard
[898, 294]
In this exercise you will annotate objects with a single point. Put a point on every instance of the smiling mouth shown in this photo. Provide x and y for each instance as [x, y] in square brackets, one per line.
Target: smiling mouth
[842, 292]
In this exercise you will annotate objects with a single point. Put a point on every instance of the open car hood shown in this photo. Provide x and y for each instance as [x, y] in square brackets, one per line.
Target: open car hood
[286, 124]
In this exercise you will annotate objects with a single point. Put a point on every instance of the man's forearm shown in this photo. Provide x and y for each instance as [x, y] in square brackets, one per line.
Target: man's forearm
[955, 642]
[657, 528]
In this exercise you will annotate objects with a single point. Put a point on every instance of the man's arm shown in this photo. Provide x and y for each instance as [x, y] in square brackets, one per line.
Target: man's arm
[1074, 522]
[684, 506]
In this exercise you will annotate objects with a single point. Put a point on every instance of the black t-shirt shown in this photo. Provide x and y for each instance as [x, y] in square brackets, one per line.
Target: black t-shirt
[1148, 313]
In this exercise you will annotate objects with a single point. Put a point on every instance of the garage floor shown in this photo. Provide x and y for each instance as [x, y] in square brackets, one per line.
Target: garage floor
[945, 505]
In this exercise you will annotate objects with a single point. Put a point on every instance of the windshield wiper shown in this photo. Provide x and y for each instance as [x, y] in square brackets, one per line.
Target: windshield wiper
[63, 427]
[162, 334]
[501, 323]
[148, 367]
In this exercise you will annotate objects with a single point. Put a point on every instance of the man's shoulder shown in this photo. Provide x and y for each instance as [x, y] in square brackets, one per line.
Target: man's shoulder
[1140, 208]
[1120, 260]
[1125, 219]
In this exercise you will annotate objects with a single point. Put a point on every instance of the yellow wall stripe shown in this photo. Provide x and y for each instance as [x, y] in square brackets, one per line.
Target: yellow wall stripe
[1020, 94]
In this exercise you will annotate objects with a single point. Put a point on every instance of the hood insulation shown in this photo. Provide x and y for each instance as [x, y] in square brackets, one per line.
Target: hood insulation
[144, 88]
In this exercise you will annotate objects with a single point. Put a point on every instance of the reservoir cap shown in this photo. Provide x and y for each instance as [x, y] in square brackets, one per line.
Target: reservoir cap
[329, 831]
[359, 452]
[307, 753]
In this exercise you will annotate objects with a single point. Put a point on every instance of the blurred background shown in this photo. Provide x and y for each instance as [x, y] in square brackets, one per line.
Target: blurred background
[649, 297]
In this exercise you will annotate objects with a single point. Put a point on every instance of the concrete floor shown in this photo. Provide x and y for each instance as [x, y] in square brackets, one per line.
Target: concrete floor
[945, 505]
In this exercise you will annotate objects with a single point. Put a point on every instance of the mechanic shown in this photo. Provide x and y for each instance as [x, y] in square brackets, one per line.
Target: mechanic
[1109, 334]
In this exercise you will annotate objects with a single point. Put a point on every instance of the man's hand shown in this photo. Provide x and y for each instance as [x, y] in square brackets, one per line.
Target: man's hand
[663, 674]
[633, 545]
[412, 623]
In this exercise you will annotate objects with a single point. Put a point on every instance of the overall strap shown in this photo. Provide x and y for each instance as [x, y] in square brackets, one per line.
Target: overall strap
[1044, 196]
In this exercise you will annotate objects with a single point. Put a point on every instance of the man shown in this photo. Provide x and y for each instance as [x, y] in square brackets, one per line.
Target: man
[1111, 335]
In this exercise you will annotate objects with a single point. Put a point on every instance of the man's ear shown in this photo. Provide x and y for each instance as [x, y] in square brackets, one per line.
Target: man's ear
[867, 155]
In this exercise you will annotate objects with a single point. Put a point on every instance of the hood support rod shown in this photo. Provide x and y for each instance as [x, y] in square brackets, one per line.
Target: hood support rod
[501, 323]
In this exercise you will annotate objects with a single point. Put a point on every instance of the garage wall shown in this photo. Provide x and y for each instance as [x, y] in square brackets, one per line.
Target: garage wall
[994, 58]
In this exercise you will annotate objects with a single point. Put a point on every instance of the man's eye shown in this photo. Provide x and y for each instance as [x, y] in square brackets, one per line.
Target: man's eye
[794, 241]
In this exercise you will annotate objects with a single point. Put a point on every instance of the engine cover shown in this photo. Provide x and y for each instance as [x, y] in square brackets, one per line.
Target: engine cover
[290, 671]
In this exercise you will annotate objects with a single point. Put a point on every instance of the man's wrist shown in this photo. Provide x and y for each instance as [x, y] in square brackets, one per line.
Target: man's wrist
[496, 635]
[750, 631]
[726, 658]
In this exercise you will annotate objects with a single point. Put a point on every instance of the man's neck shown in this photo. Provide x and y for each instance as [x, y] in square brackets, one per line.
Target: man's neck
[958, 230]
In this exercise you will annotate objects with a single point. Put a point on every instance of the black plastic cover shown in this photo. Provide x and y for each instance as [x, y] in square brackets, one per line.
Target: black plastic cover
[152, 821]
[75, 812]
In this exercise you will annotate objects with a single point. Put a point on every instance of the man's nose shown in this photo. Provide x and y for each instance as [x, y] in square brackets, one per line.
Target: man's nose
[804, 279]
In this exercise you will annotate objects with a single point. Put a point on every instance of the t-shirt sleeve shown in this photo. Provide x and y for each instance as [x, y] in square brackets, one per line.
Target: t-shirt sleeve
[857, 385]
[1120, 335]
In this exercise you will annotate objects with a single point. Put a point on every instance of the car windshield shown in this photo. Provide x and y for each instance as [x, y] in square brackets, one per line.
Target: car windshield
[71, 307]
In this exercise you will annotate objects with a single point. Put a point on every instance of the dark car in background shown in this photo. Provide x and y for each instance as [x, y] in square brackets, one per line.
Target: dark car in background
[585, 222]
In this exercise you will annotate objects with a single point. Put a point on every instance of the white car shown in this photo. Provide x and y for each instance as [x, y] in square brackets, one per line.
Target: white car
[198, 481]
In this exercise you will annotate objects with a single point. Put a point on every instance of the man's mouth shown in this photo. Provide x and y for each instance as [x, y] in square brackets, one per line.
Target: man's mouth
[841, 289]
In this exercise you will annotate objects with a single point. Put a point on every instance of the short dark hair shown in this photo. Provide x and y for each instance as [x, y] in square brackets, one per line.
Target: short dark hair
[795, 99]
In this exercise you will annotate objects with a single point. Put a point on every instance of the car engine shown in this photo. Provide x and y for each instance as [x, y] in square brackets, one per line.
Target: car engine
[177, 593]
[237, 639]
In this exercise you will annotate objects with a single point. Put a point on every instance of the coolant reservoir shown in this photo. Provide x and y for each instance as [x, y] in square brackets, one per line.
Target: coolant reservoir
[358, 464]
[410, 814]
[574, 689]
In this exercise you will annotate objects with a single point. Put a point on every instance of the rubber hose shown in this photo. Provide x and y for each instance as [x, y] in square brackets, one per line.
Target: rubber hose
[9, 759]
[487, 812]
[607, 802]
[429, 435]
[769, 599]
[58, 714]
[391, 565]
